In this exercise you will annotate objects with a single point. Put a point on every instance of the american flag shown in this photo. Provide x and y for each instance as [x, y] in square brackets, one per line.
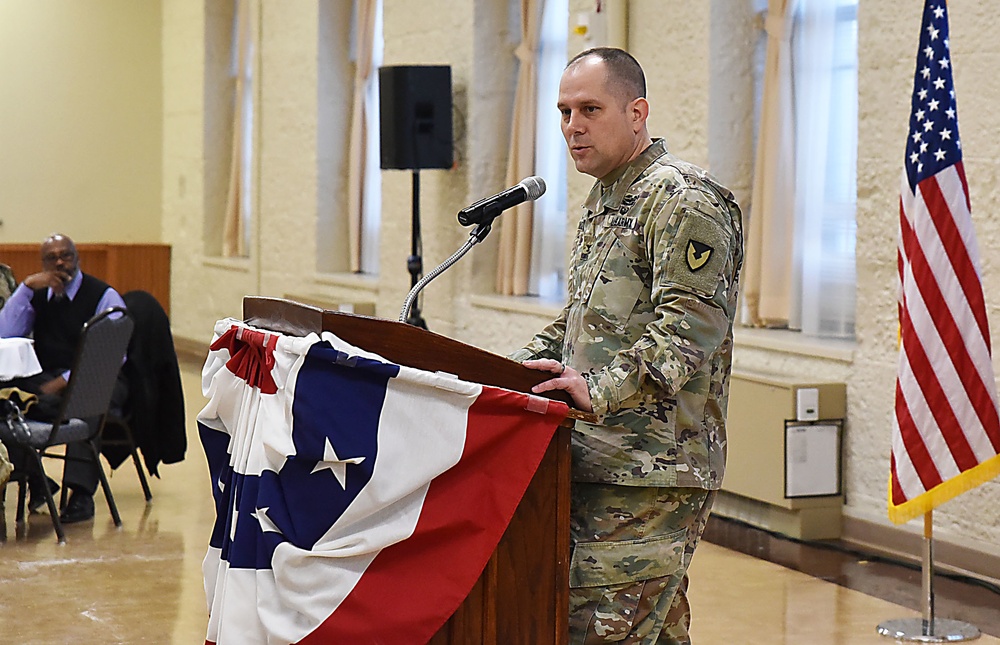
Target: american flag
[946, 429]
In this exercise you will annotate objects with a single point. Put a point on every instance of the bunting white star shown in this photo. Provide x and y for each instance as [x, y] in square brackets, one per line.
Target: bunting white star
[332, 462]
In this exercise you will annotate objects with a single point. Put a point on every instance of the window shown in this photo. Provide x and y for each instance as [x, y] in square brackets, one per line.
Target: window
[825, 99]
[548, 243]
[231, 30]
[349, 180]
[799, 271]
[236, 227]
[371, 217]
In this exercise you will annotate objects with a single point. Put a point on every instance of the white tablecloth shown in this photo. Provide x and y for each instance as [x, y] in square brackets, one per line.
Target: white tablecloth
[17, 358]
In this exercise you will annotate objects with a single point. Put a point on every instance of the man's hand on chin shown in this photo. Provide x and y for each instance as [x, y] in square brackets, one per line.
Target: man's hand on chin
[56, 280]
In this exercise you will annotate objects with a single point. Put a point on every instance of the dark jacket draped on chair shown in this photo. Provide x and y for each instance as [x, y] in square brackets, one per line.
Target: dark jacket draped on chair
[155, 407]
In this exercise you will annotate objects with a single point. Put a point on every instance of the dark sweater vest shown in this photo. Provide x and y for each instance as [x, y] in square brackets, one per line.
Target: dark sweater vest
[58, 323]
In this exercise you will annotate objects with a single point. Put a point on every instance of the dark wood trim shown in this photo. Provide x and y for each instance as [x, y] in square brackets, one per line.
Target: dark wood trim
[124, 266]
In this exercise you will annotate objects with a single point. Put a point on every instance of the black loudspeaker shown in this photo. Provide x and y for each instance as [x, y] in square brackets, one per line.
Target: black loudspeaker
[415, 116]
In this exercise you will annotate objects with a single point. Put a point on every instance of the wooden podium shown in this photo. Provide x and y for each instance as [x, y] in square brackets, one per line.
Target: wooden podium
[522, 596]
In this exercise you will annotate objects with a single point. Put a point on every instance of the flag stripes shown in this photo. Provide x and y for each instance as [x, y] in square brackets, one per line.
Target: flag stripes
[946, 425]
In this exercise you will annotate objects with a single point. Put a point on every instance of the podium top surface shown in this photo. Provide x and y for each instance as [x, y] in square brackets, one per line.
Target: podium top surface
[403, 344]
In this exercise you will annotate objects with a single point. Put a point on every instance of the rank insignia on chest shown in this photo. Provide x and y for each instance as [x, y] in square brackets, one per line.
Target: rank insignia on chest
[627, 203]
[697, 254]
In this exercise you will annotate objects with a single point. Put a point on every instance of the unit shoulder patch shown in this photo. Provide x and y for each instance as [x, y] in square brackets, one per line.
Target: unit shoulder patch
[698, 253]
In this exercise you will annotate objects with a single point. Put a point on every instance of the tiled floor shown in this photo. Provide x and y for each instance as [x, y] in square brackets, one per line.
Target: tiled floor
[142, 583]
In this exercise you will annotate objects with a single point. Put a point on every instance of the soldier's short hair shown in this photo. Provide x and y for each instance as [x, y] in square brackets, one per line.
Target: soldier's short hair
[624, 72]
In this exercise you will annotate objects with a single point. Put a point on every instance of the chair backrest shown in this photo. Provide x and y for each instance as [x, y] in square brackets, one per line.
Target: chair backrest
[99, 357]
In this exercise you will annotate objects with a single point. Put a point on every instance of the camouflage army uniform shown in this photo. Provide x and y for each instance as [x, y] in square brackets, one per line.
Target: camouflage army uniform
[7, 283]
[649, 326]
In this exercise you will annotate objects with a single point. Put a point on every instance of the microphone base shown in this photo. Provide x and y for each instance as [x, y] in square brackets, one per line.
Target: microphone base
[416, 319]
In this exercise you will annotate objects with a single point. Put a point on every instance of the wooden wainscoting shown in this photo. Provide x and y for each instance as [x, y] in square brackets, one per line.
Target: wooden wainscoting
[125, 267]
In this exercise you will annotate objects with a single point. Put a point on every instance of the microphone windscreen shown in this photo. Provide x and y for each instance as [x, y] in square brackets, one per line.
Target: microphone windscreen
[535, 186]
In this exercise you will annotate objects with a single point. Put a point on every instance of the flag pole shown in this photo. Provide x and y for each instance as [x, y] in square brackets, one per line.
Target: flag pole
[928, 629]
[927, 575]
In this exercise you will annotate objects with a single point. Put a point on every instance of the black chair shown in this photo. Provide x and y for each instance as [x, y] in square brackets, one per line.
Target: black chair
[99, 356]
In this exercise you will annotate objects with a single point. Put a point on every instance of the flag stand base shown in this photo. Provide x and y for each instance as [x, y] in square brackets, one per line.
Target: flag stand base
[918, 630]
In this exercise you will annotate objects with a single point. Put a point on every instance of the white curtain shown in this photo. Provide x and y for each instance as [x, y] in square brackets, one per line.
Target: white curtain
[767, 284]
[800, 269]
[363, 174]
[514, 257]
[548, 243]
[824, 53]
[371, 222]
[236, 220]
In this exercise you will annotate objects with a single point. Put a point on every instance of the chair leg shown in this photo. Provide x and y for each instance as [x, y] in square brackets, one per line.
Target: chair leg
[22, 494]
[49, 500]
[130, 439]
[105, 485]
[142, 475]
[3, 512]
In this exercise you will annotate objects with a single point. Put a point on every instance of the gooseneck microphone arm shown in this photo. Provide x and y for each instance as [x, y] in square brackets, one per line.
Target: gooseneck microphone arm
[441, 268]
[481, 214]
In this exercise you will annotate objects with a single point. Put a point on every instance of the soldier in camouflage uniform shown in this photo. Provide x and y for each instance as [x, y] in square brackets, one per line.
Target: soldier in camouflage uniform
[645, 342]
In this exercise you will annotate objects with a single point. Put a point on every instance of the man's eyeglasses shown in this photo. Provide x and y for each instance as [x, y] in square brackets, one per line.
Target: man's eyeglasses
[52, 258]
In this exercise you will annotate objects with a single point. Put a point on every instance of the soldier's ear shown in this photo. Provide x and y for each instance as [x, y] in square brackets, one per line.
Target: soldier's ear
[639, 112]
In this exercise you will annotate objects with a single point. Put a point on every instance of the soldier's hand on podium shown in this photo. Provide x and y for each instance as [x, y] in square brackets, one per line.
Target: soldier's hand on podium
[566, 378]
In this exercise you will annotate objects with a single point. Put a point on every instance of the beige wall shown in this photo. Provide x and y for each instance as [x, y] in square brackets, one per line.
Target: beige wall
[695, 55]
[80, 119]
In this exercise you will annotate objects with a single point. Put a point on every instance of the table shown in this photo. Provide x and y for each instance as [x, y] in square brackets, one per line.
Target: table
[17, 358]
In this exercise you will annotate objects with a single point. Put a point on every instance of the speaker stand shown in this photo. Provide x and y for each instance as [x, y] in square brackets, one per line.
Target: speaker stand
[414, 263]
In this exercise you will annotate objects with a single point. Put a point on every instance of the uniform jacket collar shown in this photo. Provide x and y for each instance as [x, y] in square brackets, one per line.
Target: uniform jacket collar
[611, 197]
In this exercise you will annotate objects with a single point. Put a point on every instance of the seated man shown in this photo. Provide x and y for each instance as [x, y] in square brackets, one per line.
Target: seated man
[53, 306]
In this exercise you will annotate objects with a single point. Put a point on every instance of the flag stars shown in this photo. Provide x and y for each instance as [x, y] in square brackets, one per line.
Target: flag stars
[939, 84]
[938, 12]
[917, 136]
[914, 157]
[944, 62]
[929, 52]
[923, 147]
[928, 126]
[950, 112]
[335, 464]
[933, 32]
[925, 72]
[267, 525]
[938, 155]
[919, 114]
[946, 134]
[933, 105]
[922, 94]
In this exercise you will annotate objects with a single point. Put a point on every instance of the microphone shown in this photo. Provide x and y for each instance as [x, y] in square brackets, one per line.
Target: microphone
[486, 210]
